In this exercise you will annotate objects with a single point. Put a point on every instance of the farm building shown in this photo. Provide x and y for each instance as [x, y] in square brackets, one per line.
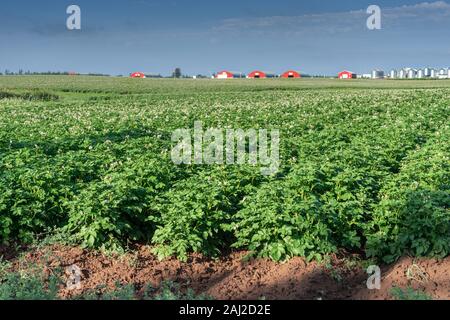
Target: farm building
[228, 75]
[260, 75]
[347, 75]
[137, 75]
[291, 74]
[393, 74]
[377, 74]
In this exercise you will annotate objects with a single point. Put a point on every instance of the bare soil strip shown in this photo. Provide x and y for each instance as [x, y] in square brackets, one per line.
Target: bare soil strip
[234, 277]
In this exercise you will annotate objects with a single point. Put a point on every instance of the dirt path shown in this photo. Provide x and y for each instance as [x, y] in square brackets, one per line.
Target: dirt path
[232, 277]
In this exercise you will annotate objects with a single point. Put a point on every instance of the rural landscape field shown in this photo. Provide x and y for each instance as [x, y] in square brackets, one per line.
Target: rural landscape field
[86, 179]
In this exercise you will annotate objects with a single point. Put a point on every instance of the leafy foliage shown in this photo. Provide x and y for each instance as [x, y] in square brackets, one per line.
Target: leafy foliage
[362, 169]
[414, 213]
[15, 286]
[409, 294]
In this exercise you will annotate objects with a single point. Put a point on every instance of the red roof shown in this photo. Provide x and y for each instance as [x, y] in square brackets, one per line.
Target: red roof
[291, 74]
[257, 74]
[137, 75]
[224, 75]
[346, 75]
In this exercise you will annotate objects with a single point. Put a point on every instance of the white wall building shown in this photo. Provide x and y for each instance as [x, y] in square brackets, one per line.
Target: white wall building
[377, 74]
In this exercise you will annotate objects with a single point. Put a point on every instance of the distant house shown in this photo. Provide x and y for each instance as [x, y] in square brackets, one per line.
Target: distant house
[260, 75]
[291, 74]
[347, 75]
[227, 75]
[137, 75]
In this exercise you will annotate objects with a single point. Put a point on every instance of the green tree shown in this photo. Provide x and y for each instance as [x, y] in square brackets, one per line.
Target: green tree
[177, 73]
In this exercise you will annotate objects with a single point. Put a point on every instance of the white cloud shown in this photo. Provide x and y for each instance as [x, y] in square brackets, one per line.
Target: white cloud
[339, 22]
[425, 11]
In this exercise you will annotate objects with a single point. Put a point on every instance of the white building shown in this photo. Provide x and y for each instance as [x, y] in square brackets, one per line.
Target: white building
[377, 74]
[411, 73]
[393, 74]
[443, 74]
[420, 74]
[433, 73]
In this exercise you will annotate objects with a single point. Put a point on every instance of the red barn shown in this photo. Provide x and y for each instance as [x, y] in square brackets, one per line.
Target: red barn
[260, 75]
[137, 75]
[227, 75]
[347, 75]
[291, 74]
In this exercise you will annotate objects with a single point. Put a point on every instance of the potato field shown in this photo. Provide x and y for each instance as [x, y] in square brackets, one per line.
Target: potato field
[364, 166]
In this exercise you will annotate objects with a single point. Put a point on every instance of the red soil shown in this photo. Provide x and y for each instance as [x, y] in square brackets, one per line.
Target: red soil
[232, 277]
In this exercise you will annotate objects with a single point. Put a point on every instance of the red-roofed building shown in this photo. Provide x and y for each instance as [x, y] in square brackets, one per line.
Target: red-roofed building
[260, 75]
[346, 75]
[137, 75]
[291, 74]
[227, 75]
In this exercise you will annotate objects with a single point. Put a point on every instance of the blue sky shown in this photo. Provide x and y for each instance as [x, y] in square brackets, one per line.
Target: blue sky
[204, 36]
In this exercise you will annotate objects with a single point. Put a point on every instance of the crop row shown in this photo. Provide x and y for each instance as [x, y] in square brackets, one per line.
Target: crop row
[361, 170]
